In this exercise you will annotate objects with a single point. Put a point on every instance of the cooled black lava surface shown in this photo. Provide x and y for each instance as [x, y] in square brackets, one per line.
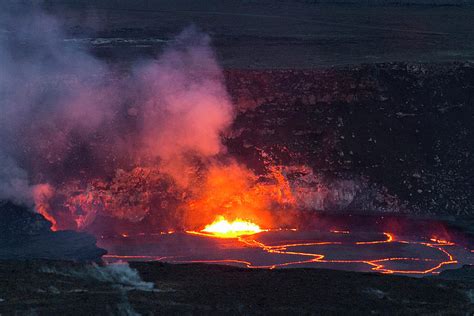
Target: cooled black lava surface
[350, 251]
[214, 288]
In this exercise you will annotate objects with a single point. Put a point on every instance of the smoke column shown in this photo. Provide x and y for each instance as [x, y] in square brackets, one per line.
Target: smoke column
[185, 105]
[67, 115]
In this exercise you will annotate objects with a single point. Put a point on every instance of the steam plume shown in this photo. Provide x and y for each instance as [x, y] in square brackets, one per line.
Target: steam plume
[66, 114]
[185, 105]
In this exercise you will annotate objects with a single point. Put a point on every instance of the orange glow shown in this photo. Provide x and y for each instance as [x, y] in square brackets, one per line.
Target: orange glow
[41, 194]
[234, 191]
[376, 264]
[389, 239]
[229, 189]
[340, 231]
[225, 229]
[441, 241]
[43, 211]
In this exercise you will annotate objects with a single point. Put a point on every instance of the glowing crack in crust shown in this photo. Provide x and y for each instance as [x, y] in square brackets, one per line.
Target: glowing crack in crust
[378, 265]
[243, 231]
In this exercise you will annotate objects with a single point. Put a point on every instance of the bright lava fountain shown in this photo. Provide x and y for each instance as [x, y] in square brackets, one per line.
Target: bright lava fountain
[225, 229]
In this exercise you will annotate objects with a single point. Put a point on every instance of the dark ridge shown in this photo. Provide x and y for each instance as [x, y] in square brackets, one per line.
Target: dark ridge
[28, 235]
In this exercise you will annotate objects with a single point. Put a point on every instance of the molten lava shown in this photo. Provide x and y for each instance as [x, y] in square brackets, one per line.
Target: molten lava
[282, 248]
[225, 229]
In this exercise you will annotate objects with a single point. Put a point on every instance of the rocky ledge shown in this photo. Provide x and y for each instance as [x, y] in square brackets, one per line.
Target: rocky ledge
[28, 235]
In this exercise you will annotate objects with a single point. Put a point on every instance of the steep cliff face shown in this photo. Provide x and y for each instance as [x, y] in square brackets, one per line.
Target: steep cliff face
[405, 128]
[28, 235]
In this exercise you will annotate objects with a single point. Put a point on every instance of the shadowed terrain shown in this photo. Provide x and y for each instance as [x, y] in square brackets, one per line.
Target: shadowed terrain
[276, 34]
[38, 287]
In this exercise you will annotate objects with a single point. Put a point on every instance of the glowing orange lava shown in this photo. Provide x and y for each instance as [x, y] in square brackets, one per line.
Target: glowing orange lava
[243, 230]
[225, 229]
[222, 229]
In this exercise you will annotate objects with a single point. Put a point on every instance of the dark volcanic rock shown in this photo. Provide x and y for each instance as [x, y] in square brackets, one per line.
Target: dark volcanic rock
[404, 128]
[466, 273]
[27, 235]
[18, 221]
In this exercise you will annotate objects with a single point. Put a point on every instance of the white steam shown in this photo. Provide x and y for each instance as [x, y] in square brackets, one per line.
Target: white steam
[14, 183]
[118, 274]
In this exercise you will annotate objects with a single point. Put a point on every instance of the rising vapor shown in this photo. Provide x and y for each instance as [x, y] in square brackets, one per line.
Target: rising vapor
[67, 115]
